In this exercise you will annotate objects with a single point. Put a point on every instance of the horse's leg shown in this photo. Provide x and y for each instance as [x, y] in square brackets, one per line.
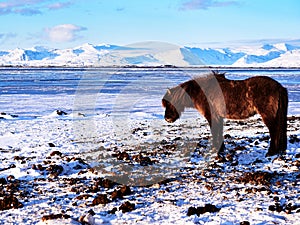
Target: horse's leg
[278, 142]
[216, 127]
[277, 125]
[273, 127]
[281, 117]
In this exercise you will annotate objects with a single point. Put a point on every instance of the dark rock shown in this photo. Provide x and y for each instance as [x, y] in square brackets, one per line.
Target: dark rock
[61, 113]
[100, 199]
[113, 211]
[123, 191]
[106, 183]
[51, 145]
[245, 223]
[11, 177]
[210, 208]
[18, 158]
[55, 217]
[58, 153]
[38, 167]
[122, 156]
[3, 181]
[294, 139]
[135, 130]
[227, 136]
[145, 161]
[127, 207]
[55, 170]
[91, 212]
[115, 194]
[83, 196]
[191, 211]
[10, 202]
[201, 210]
[256, 178]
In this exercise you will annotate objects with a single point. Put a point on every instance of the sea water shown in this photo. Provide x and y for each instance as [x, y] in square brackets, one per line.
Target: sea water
[35, 92]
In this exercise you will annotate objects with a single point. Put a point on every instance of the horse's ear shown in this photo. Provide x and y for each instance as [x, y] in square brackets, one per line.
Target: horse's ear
[169, 91]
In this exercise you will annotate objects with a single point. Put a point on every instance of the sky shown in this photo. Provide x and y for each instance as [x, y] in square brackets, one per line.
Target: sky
[67, 24]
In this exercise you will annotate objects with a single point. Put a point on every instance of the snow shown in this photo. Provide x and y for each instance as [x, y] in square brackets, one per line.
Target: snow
[40, 135]
[155, 54]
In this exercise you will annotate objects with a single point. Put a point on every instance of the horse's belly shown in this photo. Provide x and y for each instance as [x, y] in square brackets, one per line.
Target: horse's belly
[239, 112]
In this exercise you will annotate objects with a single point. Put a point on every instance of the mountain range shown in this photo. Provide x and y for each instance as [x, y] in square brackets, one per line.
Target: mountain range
[155, 54]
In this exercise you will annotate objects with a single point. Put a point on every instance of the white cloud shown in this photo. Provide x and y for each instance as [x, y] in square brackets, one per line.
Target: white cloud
[59, 5]
[30, 7]
[205, 4]
[63, 32]
[4, 37]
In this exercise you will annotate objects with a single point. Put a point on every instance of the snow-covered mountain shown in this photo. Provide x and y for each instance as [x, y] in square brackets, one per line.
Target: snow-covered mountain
[155, 54]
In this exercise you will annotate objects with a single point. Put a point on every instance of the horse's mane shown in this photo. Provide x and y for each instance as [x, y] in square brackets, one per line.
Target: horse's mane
[183, 93]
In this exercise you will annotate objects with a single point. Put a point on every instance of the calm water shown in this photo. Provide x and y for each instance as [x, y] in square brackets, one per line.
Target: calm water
[40, 91]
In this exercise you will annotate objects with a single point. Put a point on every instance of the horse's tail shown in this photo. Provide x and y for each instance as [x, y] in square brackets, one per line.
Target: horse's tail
[281, 117]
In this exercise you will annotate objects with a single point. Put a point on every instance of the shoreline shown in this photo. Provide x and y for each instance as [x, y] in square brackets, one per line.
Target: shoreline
[149, 67]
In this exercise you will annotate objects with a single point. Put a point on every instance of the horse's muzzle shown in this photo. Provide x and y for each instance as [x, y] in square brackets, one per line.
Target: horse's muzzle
[170, 120]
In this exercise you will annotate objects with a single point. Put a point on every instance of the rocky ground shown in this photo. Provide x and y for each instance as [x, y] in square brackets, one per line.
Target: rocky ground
[46, 178]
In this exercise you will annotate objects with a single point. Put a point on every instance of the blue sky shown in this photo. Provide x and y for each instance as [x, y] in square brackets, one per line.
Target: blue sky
[64, 23]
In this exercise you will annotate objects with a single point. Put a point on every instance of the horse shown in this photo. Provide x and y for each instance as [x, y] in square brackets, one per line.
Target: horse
[216, 97]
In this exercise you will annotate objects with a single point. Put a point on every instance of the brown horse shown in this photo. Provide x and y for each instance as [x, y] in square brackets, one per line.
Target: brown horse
[216, 98]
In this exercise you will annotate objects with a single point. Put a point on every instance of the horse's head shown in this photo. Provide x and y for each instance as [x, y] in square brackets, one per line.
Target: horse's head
[172, 106]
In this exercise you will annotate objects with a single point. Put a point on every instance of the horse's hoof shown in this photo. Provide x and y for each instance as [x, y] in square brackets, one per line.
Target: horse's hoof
[220, 158]
[270, 154]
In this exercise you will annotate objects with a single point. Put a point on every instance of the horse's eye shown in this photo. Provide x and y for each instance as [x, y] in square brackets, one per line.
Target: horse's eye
[164, 103]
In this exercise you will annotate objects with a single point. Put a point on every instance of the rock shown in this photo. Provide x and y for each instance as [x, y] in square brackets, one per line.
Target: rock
[106, 183]
[294, 139]
[191, 211]
[124, 190]
[19, 158]
[38, 167]
[145, 161]
[3, 180]
[100, 199]
[127, 207]
[210, 208]
[113, 211]
[55, 170]
[55, 217]
[51, 145]
[256, 178]
[83, 196]
[245, 223]
[61, 113]
[115, 194]
[201, 210]
[123, 156]
[58, 153]
[10, 202]
[11, 178]
[88, 219]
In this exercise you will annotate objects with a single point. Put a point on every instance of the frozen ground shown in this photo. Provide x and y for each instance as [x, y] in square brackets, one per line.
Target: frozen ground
[44, 166]
[54, 167]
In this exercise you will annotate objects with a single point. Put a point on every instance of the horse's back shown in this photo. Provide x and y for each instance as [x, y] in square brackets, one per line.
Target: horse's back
[264, 87]
[265, 93]
[245, 98]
